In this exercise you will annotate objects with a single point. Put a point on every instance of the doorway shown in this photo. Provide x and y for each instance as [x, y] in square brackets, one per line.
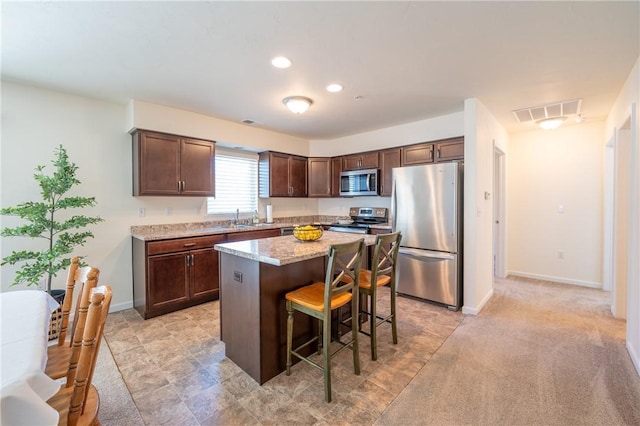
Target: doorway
[621, 219]
[499, 261]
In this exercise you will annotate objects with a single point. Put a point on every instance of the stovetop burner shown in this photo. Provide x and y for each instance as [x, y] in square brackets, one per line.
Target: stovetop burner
[362, 218]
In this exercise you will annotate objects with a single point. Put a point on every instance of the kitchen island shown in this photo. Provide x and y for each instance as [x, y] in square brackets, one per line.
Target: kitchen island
[255, 275]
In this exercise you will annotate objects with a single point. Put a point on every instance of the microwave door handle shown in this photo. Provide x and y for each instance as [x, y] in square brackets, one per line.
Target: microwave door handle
[369, 182]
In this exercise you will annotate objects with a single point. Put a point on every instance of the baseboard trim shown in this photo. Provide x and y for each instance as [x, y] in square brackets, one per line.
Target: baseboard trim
[556, 279]
[634, 357]
[121, 306]
[475, 311]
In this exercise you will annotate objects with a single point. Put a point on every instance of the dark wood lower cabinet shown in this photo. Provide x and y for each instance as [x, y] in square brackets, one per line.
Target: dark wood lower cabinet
[169, 275]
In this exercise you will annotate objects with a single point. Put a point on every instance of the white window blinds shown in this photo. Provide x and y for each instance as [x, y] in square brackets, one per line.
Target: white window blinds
[236, 182]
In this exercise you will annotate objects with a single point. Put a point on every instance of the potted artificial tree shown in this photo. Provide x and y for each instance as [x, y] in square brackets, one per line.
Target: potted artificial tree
[43, 221]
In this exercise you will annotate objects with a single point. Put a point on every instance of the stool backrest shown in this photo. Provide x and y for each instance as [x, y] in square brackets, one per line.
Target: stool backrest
[385, 255]
[344, 261]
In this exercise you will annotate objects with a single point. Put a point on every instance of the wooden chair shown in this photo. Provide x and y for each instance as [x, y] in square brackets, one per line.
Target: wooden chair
[320, 299]
[79, 404]
[58, 356]
[383, 272]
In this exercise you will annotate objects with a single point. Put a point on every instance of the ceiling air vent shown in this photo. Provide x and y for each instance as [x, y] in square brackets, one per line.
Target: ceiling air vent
[558, 109]
[250, 122]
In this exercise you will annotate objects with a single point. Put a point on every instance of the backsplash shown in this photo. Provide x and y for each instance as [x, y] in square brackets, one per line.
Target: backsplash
[296, 220]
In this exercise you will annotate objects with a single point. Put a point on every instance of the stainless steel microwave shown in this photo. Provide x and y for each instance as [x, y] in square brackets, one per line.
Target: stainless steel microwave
[359, 182]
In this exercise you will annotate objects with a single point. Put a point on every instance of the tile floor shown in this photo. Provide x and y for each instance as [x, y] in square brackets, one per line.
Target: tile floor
[176, 371]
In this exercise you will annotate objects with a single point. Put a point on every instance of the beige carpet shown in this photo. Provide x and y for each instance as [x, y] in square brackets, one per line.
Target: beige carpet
[538, 353]
[116, 405]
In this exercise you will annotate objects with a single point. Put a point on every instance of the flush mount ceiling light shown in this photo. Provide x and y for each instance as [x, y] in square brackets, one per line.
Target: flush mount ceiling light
[334, 88]
[281, 62]
[297, 104]
[551, 123]
[549, 116]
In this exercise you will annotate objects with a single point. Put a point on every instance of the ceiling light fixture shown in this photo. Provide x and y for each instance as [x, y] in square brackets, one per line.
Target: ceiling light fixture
[334, 88]
[297, 104]
[551, 123]
[281, 62]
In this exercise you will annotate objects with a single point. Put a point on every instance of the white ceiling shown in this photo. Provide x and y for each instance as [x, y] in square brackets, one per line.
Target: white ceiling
[407, 60]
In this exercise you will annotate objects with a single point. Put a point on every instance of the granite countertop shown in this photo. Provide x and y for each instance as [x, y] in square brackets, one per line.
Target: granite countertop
[284, 250]
[160, 232]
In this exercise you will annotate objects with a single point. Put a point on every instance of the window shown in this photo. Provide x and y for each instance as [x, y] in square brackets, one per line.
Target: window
[236, 182]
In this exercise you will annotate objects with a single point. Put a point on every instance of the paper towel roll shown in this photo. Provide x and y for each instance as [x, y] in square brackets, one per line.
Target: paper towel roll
[269, 213]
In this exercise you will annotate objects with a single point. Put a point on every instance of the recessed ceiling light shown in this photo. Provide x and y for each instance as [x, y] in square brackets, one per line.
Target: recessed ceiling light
[281, 62]
[334, 87]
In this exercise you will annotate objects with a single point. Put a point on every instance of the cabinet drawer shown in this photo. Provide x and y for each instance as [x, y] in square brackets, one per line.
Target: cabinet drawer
[182, 244]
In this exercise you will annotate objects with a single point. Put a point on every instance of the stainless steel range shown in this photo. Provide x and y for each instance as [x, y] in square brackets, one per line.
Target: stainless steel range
[362, 218]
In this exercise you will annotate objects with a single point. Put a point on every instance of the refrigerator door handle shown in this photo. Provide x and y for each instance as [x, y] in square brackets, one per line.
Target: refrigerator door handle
[426, 254]
[394, 206]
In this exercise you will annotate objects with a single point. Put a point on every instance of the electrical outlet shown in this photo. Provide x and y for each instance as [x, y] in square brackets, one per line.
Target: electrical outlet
[167, 211]
[560, 254]
[141, 212]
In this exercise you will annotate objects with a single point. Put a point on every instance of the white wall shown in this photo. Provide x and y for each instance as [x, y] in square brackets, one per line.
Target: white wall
[547, 169]
[36, 121]
[482, 132]
[430, 129]
[626, 107]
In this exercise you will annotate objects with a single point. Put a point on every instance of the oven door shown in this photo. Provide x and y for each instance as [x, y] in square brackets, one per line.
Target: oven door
[349, 230]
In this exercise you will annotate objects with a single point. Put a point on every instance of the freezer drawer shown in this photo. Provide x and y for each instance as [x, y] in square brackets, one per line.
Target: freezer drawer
[429, 275]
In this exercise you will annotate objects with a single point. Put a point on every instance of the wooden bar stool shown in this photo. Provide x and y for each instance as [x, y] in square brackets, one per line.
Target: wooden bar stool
[319, 300]
[383, 272]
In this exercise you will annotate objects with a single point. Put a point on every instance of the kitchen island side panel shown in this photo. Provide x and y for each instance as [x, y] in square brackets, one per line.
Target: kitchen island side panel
[240, 312]
[275, 282]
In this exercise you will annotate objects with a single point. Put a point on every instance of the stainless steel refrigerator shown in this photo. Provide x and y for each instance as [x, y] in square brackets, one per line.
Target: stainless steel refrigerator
[426, 206]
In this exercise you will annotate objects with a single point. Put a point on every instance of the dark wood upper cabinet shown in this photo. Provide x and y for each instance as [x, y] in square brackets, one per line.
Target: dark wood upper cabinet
[281, 175]
[165, 164]
[319, 177]
[336, 169]
[417, 154]
[449, 150]
[363, 160]
[389, 158]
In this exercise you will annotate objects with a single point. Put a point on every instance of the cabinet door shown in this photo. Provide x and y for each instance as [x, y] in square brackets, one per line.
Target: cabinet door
[205, 282]
[168, 282]
[336, 169]
[157, 169]
[351, 162]
[417, 154]
[450, 150]
[197, 169]
[369, 160]
[319, 177]
[389, 159]
[298, 176]
[278, 175]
